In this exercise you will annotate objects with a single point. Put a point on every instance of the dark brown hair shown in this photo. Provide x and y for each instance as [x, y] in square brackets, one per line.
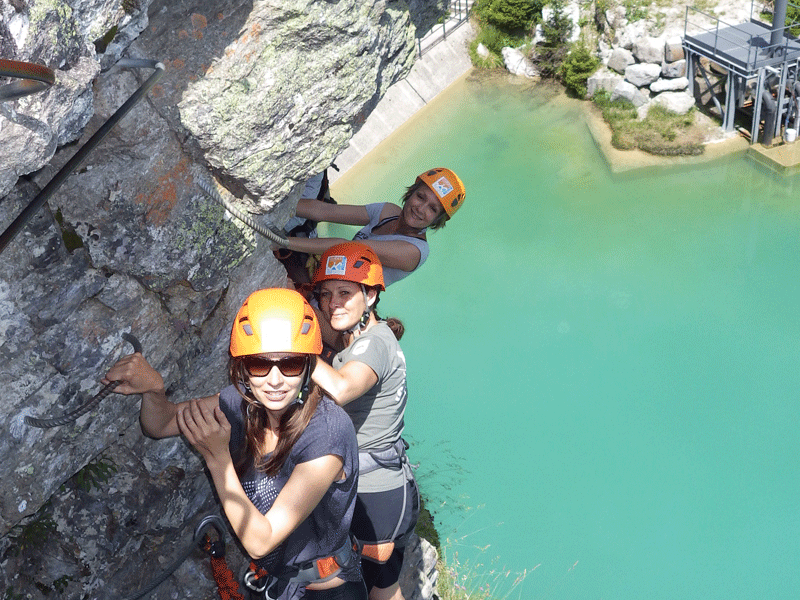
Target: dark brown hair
[439, 221]
[395, 324]
[292, 424]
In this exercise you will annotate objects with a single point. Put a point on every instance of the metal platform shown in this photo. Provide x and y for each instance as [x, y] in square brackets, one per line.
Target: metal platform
[744, 48]
[762, 64]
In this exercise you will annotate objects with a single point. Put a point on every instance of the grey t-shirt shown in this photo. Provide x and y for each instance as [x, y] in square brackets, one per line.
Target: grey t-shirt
[378, 414]
[390, 275]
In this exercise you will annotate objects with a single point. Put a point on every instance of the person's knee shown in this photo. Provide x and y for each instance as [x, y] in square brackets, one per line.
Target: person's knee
[393, 592]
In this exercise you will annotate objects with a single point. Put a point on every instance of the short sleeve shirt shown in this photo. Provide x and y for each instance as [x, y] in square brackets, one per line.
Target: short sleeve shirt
[378, 414]
[390, 275]
[325, 530]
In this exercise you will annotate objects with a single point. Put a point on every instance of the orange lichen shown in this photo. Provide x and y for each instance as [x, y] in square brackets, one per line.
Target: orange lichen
[255, 29]
[178, 63]
[220, 16]
[199, 21]
[163, 189]
[182, 34]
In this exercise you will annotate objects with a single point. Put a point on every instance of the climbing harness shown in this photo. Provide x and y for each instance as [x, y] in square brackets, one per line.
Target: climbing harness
[300, 266]
[270, 587]
[59, 178]
[70, 416]
[34, 78]
[208, 190]
[393, 458]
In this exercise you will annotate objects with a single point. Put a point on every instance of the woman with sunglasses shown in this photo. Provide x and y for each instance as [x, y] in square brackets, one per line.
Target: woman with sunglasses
[395, 233]
[368, 379]
[283, 459]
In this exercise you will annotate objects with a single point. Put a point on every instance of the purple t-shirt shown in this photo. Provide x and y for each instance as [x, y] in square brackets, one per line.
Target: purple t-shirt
[325, 531]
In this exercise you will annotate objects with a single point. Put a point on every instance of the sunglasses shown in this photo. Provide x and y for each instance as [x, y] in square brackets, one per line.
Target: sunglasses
[290, 366]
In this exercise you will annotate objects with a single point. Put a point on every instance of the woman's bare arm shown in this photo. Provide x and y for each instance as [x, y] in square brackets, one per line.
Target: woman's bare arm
[352, 381]
[209, 432]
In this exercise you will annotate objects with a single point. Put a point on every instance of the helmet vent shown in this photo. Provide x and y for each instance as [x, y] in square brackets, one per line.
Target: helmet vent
[358, 263]
[305, 328]
[247, 329]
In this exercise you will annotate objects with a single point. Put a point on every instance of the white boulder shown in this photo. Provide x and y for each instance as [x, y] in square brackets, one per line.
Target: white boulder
[482, 51]
[602, 79]
[649, 49]
[517, 63]
[628, 91]
[673, 49]
[669, 85]
[677, 102]
[642, 74]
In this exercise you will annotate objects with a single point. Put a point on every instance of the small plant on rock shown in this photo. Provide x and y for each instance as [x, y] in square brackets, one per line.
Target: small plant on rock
[95, 473]
[577, 68]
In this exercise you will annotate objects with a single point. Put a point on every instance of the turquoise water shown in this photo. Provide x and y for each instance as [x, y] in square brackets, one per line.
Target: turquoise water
[603, 370]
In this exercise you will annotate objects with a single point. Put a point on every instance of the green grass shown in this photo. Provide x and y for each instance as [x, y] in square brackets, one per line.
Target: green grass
[460, 580]
[661, 132]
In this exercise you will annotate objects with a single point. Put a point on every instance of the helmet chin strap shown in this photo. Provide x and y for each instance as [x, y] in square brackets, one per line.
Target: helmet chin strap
[303, 395]
[364, 320]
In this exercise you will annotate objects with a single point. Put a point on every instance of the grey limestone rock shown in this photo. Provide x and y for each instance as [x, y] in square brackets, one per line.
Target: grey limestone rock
[674, 69]
[620, 60]
[602, 79]
[628, 91]
[649, 49]
[263, 94]
[642, 74]
[677, 102]
[673, 49]
[669, 85]
[517, 63]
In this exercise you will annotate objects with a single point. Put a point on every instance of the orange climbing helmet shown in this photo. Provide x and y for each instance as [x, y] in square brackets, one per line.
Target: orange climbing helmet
[275, 320]
[447, 187]
[350, 261]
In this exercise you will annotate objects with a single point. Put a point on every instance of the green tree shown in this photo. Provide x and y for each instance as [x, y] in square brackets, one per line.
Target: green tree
[550, 54]
[509, 15]
[577, 68]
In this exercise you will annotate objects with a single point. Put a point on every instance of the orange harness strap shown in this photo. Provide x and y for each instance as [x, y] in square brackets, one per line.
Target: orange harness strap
[378, 553]
[226, 584]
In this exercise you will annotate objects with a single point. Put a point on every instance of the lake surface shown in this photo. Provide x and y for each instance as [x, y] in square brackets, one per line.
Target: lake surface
[604, 371]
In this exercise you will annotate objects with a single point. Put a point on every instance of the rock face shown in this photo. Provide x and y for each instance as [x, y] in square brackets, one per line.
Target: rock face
[262, 94]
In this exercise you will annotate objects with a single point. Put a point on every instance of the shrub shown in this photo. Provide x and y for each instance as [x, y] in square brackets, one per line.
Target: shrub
[550, 54]
[510, 15]
[495, 39]
[577, 68]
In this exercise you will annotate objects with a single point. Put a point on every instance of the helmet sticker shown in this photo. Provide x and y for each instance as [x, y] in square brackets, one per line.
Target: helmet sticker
[336, 265]
[442, 187]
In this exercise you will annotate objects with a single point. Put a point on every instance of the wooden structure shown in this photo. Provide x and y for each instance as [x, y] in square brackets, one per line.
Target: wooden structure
[759, 57]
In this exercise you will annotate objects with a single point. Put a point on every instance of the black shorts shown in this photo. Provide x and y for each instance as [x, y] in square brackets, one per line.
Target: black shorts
[374, 519]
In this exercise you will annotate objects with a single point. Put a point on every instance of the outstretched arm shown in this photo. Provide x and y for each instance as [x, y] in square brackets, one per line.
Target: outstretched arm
[352, 381]
[346, 214]
[157, 414]
[209, 431]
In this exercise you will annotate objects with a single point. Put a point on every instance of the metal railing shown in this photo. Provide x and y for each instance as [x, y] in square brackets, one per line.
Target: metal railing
[459, 14]
[752, 43]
